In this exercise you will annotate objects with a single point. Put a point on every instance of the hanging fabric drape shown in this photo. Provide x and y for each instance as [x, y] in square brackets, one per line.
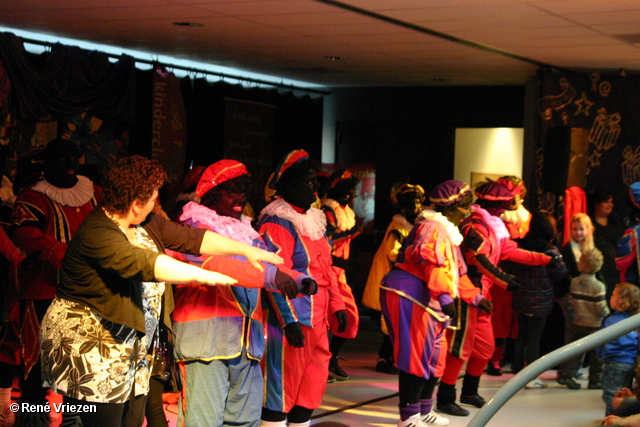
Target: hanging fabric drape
[68, 81]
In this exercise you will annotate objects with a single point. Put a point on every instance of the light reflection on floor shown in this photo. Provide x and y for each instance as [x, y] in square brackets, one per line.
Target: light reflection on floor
[553, 406]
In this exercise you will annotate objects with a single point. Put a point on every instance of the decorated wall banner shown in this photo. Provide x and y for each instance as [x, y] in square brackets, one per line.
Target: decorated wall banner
[168, 124]
[587, 135]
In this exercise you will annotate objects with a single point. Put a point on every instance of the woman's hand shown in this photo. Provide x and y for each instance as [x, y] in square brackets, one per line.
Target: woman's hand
[213, 278]
[256, 255]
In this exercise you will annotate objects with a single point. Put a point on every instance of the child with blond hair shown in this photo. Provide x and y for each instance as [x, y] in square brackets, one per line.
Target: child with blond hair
[587, 296]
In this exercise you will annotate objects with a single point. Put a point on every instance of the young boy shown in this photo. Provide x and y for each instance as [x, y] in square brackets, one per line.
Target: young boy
[588, 299]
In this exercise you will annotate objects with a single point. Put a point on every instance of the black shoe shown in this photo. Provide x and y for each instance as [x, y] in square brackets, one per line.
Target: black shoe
[475, 400]
[386, 367]
[331, 379]
[494, 369]
[569, 382]
[452, 409]
[595, 386]
[337, 371]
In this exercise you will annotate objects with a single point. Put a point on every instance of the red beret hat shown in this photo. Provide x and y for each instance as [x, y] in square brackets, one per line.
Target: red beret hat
[493, 191]
[219, 172]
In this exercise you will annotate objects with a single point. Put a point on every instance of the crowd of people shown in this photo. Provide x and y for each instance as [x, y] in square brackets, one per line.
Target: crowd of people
[108, 299]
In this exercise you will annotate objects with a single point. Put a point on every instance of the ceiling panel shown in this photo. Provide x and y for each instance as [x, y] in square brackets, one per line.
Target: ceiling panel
[382, 42]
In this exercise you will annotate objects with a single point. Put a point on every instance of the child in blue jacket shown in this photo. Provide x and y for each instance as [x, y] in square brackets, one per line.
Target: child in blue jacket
[619, 356]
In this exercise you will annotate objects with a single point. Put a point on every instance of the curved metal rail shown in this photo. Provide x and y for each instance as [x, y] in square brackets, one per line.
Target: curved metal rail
[575, 348]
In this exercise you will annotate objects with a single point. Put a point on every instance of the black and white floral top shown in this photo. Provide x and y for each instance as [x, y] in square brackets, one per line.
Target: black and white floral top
[90, 358]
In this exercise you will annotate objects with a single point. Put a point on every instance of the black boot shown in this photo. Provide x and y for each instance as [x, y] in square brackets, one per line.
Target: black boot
[469, 393]
[446, 401]
[337, 371]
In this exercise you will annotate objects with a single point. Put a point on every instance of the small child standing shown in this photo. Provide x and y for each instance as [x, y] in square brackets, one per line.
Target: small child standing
[587, 296]
[619, 355]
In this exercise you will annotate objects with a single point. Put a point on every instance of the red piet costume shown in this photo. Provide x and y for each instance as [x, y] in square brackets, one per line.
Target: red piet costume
[297, 376]
[486, 243]
[342, 219]
[46, 217]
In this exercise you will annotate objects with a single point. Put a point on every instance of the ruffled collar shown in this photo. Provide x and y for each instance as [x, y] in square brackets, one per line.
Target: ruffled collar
[74, 197]
[400, 219]
[237, 229]
[345, 216]
[312, 223]
[495, 223]
[517, 216]
[452, 231]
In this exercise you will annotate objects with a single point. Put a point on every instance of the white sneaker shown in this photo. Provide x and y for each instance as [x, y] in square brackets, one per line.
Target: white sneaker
[412, 421]
[433, 419]
[536, 383]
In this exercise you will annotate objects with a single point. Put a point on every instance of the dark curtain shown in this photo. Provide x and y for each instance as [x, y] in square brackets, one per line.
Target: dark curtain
[298, 120]
[587, 134]
[67, 81]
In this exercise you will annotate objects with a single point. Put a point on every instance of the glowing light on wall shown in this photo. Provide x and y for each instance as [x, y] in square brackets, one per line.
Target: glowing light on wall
[488, 150]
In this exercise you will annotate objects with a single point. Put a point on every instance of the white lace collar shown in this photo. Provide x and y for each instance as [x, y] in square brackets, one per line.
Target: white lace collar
[345, 216]
[236, 229]
[74, 197]
[312, 223]
[452, 231]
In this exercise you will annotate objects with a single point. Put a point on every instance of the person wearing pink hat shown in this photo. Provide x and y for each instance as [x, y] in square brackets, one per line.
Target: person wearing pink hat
[295, 377]
[219, 330]
[486, 243]
[417, 298]
[504, 320]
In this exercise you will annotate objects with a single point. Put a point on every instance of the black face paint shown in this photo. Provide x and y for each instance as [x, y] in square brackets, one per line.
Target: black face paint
[301, 189]
[61, 163]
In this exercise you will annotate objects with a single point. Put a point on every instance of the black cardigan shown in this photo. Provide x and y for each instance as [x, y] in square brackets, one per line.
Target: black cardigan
[103, 271]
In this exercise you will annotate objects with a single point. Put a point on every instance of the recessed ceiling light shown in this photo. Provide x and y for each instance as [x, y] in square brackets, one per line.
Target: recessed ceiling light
[188, 24]
[335, 58]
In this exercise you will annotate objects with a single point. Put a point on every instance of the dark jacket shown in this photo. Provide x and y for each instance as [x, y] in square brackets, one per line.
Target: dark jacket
[535, 296]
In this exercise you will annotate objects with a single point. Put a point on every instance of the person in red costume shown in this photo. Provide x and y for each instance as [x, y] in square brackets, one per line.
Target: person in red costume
[10, 260]
[45, 217]
[295, 377]
[504, 320]
[219, 329]
[486, 243]
[418, 300]
[341, 220]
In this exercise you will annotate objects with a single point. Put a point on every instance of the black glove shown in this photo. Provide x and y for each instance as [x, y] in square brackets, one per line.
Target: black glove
[309, 287]
[450, 310]
[293, 332]
[513, 284]
[341, 315]
[485, 305]
[286, 285]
